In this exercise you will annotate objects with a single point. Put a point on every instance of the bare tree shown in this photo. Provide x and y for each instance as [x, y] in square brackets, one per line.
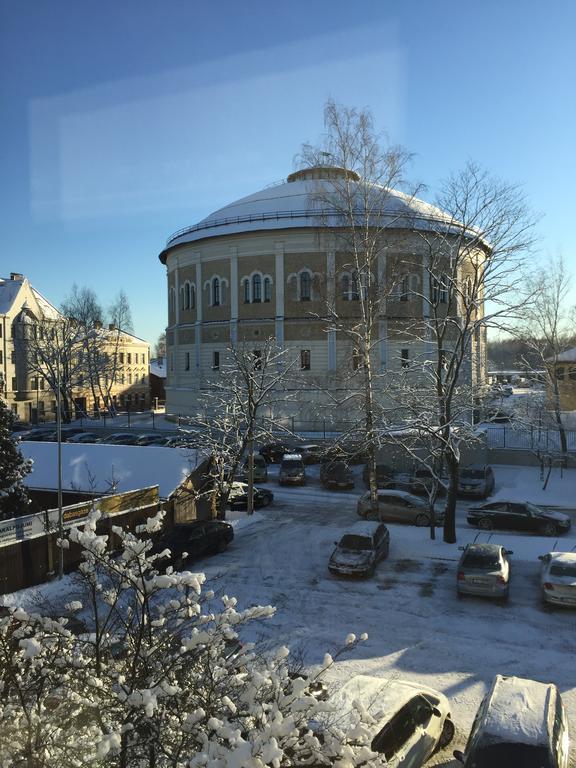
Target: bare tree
[355, 195]
[160, 346]
[238, 406]
[547, 330]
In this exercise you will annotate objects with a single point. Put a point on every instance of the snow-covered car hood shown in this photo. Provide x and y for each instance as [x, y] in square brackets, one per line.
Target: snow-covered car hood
[551, 515]
[351, 557]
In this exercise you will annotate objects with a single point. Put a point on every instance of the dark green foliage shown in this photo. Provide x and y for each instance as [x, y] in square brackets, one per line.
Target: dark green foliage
[14, 500]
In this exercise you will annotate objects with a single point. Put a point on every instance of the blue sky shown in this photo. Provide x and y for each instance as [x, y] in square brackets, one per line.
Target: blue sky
[123, 122]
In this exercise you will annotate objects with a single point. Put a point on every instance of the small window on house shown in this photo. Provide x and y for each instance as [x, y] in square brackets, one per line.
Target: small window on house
[41, 384]
[404, 358]
[129, 378]
[257, 355]
[121, 358]
[215, 292]
[560, 372]
[187, 361]
[14, 384]
[215, 360]
[192, 297]
[305, 359]
[129, 358]
[267, 289]
[256, 289]
[186, 295]
[246, 292]
[305, 286]
[404, 288]
[440, 290]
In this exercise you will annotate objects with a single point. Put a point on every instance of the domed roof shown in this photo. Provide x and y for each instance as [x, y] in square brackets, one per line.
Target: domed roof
[303, 200]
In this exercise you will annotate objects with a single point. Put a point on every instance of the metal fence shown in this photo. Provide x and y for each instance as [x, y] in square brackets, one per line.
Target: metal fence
[529, 439]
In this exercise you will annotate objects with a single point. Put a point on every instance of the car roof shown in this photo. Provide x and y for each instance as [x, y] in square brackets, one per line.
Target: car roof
[294, 456]
[363, 528]
[517, 711]
[485, 549]
[566, 558]
[381, 696]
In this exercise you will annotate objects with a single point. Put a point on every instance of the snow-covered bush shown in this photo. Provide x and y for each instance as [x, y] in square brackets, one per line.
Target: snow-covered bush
[159, 678]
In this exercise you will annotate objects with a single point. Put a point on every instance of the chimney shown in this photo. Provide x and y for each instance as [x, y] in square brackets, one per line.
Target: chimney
[111, 327]
[16, 276]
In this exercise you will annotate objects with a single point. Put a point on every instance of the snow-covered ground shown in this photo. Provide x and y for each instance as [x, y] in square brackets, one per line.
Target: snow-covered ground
[418, 628]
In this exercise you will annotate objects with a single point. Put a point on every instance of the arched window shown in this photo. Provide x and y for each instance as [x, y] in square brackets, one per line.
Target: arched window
[256, 289]
[246, 284]
[354, 293]
[215, 292]
[267, 289]
[186, 295]
[192, 296]
[346, 287]
[305, 284]
[440, 289]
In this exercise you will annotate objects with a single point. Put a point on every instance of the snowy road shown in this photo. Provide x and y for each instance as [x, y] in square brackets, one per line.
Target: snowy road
[418, 629]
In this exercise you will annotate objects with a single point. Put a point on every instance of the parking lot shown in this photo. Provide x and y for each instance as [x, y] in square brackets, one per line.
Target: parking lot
[418, 628]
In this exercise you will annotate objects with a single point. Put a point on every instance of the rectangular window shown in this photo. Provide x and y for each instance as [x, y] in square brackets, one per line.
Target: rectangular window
[246, 292]
[13, 357]
[267, 289]
[215, 361]
[187, 361]
[257, 354]
[404, 358]
[0, 331]
[121, 358]
[129, 358]
[42, 384]
[129, 378]
[14, 384]
[1, 359]
[305, 359]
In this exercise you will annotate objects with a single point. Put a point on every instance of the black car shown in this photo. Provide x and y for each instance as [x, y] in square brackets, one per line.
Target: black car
[336, 474]
[273, 452]
[40, 434]
[518, 516]
[189, 541]
[238, 497]
[119, 438]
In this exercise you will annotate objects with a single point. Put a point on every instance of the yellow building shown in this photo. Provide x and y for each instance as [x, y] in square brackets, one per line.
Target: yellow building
[564, 367]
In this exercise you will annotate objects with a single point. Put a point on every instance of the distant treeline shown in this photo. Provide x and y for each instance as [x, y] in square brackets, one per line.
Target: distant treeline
[515, 354]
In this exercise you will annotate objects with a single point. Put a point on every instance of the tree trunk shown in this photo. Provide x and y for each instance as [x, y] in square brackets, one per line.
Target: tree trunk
[453, 467]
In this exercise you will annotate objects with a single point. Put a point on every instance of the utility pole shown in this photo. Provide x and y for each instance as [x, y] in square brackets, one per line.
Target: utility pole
[59, 439]
[250, 442]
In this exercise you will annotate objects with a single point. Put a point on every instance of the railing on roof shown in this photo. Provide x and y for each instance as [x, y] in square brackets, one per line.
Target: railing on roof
[321, 213]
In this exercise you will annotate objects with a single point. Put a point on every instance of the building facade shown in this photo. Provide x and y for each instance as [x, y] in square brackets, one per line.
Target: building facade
[268, 266]
[563, 370]
[121, 381]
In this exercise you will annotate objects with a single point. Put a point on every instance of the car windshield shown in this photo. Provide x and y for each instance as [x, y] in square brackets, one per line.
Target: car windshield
[472, 474]
[352, 541]
[292, 464]
[533, 509]
[563, 569]
[506, 755]
[481, 560]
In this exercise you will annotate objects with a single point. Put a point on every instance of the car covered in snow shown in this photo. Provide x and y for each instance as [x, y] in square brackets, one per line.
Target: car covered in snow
[484, 570]
[558, 578]
[397, 507]
[519, 724]
[360, 549]
[407, 722]
[518, 516]
[292, 471]
[238, 496]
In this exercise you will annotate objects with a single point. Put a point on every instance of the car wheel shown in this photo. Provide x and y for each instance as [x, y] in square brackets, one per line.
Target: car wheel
[549, 529]
[265, 501]
[222, 545]
[447, 734]
[485, 523]
[422, 521]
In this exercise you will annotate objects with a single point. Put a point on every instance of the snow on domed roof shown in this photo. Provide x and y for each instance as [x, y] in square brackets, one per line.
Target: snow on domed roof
[298, 202]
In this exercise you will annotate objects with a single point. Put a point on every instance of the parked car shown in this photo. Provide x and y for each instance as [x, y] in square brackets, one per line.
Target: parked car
[189, 541]
[336, 474]
[238, 496]
[519, 724]
[154, 439]
[119, 438]
[385, 476]
[274, 452]
[182, 441]
[423, 479]
[311, 453]
[398, 507]
[476, 480]
[85, 437]
[360, 549]
[518, 516]
[40, 434]
[260, 468]
[292, 471]
[408, 722]
[484, 570]
[558, 578]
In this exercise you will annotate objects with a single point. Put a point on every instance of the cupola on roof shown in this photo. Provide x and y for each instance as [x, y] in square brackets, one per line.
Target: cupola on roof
[303, 200]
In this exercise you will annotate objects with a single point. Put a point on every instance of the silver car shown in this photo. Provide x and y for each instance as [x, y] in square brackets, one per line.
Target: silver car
[397, 507]
[558, 578]
[408, 721]
[484, 570]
